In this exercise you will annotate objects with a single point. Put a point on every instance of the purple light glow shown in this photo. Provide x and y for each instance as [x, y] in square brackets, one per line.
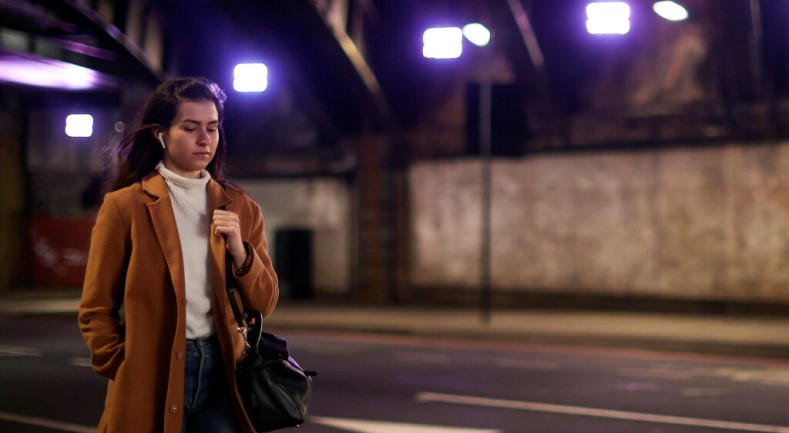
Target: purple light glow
[50, 73]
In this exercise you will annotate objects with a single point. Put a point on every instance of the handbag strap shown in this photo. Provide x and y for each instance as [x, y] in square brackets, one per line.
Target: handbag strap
[250, 322]
[230, 287]
[230, 284]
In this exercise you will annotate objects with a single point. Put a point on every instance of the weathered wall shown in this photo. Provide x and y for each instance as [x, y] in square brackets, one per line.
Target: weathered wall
[12, 192]
[708, 223]
[699, 223]
[321, 205]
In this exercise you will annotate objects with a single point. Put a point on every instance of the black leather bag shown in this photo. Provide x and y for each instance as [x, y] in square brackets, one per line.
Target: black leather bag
[275, 390]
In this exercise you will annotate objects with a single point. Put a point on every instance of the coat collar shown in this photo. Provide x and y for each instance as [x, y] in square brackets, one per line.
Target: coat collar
[218, 197]
[155, 185]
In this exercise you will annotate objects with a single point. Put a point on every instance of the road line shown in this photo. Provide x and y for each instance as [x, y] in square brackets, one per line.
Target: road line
[763, 376]
[18, 351]
[656, 373]
[369, 426]
[428, 358]
[599, 413]
[41, 422]
[81, 362]
[527, 364]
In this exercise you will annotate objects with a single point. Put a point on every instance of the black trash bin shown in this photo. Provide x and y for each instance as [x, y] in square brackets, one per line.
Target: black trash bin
[293, 262]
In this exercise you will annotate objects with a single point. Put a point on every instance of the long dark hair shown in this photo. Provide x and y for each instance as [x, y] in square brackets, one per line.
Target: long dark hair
[139, 152]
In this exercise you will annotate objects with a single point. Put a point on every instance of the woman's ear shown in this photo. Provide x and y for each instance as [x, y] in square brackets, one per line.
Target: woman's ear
[160, 138]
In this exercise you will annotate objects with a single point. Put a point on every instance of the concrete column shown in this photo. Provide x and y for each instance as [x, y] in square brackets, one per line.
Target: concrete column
[374, 229]
[12, 194]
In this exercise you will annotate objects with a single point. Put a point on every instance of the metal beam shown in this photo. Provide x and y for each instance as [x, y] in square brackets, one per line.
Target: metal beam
[118, 40]
[527, 33]
[336, 24]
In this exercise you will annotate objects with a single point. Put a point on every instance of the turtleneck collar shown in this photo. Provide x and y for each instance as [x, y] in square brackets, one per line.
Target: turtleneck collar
[183, 182]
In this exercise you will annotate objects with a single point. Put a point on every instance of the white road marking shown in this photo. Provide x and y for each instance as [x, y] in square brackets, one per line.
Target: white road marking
[429, 358]
[527, 364]
[81, 362]
[656, 373]
[702, 392]
[368, 426]
[768, 376]
[41, 422]
[599, 413]
[762, 376]
[18, 351]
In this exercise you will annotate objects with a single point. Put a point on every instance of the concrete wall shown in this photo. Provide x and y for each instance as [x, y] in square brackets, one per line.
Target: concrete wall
[321, 205]
[12, 193]
[706, 223]
[60, 170]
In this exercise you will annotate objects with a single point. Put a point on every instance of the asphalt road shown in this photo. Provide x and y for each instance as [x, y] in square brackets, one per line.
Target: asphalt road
[386, 384]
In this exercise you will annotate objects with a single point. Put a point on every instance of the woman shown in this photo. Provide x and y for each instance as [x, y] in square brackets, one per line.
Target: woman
[154, 310]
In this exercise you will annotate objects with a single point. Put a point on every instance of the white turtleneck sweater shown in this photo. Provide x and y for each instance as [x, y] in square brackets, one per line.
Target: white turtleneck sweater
[189, 198]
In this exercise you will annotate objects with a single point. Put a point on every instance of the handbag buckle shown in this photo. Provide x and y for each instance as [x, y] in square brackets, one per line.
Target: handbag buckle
[243, 330]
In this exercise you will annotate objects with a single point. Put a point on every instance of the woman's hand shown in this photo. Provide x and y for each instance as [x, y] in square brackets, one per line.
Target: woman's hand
[226, 224]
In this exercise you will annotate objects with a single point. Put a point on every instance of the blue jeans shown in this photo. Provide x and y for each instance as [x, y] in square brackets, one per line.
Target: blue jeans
[207, 406]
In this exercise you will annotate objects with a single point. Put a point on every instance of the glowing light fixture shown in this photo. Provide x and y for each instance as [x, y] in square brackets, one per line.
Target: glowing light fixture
[670, 10]
[608, 18]
[442, 43]
[55, 74]
[250, 77]
[79, 125]
[477, 34]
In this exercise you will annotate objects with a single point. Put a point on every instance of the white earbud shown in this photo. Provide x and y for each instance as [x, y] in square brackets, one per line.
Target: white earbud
[161, 140]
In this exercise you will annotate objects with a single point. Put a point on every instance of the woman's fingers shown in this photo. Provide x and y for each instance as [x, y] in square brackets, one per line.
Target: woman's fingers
[226, 223]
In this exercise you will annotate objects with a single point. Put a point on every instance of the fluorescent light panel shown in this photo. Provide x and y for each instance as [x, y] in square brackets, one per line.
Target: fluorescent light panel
[442, 43]
[250, 77]
[670, 10]
[605, 18]
[79, 125]
[477, 34]
[49, 73]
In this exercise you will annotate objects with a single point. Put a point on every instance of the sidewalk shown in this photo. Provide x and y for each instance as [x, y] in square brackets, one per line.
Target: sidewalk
[719, 334]
[731, 335]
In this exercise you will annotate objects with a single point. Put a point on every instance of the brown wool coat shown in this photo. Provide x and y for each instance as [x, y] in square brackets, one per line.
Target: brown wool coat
[132, 312]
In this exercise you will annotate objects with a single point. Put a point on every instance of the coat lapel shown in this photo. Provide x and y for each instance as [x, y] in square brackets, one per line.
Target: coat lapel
[217, 199]
[163, 220]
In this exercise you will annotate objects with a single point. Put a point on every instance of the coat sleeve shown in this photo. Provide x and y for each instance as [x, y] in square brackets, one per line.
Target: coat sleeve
[102, 292]
[259, 287]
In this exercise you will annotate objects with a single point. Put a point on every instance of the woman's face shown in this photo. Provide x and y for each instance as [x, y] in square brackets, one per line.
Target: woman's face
[192, 139]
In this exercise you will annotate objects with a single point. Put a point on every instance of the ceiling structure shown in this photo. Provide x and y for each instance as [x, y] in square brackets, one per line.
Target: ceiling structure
[340, 68]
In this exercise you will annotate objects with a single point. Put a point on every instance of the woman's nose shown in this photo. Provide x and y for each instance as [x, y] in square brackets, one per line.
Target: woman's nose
[204, 138]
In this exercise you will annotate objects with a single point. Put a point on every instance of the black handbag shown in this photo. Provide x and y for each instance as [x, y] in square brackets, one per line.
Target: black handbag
[275, 390]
